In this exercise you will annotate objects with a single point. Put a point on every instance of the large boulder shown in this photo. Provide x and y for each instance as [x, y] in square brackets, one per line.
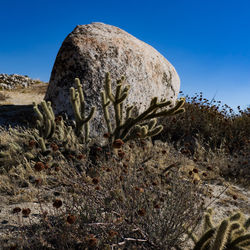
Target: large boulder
[90, 51]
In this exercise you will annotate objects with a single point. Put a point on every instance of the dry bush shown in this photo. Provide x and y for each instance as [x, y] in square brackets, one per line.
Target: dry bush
[212, 128]
[119, 199]
[124, 200]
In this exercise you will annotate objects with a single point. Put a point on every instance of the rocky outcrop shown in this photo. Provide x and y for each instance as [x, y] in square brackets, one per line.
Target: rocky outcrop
[94, 49]
[14, 81]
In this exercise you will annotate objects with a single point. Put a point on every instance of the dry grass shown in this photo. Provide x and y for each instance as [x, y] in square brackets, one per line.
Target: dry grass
[3, 97]
[144, 196]
[210, 132]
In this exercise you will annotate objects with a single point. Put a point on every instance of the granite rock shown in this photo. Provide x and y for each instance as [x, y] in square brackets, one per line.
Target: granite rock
[90, 51]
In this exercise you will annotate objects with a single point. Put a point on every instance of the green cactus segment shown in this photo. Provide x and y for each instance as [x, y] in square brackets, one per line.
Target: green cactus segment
[78, 104]
[131, 127]
[221, 236]
[208, 224]
[46, 120]
[236, 217]
[240, 241]
[230, 234]
[42, 144]
[105, 104]
[247, 224]
[204, 239]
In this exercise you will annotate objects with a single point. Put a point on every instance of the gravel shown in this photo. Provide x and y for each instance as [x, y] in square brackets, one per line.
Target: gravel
[13, 81]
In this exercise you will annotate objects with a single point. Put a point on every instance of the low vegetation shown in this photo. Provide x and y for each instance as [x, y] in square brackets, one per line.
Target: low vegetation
[144, 191]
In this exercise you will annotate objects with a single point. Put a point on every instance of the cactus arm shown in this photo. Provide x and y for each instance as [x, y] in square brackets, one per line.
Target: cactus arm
[47, 128]
[74, 102]
[233, 228]
[51, 111]
[108, 87]
[179, 111]
[244, 239]
[152, 123]
[208, 224]
[46, 109]
[78, 104]
[42, 144]
[86, 130]
[205, 237]
[46, 122]
[118, 115]
[81, 97]
[128, 112]
[35, 108]
[155, 131]
[221, 236]
[123, 128]
[144, 116]
[176, 110]
[91, 114]
[105, 104]
[247, 224]
[80, 91]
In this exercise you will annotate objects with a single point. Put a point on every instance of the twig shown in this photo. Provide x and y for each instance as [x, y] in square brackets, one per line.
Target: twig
[128, 239]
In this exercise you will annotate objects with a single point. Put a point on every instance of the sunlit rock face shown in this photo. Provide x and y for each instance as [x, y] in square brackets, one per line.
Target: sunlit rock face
[90, 51]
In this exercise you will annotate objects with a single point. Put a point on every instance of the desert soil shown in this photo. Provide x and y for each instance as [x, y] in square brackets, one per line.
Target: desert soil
[24, 96]
[18, 103]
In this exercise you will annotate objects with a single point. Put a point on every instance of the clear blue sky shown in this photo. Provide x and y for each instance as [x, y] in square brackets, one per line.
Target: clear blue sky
[207, 41]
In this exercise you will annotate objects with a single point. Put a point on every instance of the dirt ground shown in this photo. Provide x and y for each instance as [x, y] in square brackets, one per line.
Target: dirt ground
[18, 103]
[24, 96]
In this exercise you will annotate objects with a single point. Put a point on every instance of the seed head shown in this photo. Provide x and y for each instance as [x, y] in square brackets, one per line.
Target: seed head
[156, 206]
[112, 233]
[80, 156]
[38, 181]
[121, 154]
[54, 146]
[26, 212]
[142, 212]
[57, 203]
[118, 143]
[32, 143]
[39, 166]
[106, 135]
[71, 219]
[95, 181]
[16, 210]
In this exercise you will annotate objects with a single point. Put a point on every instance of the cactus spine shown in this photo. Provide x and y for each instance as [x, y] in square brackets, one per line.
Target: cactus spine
[131, 127]
[78, 103]
[229, 234]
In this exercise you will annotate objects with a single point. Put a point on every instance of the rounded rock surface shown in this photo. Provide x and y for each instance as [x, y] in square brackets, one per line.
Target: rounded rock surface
[90, 51]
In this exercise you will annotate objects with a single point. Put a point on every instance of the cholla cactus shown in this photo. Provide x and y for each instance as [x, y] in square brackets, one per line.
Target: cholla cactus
[231, 233]
[46, 120]
[131, 127]
[46, 123]
[78, 103]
